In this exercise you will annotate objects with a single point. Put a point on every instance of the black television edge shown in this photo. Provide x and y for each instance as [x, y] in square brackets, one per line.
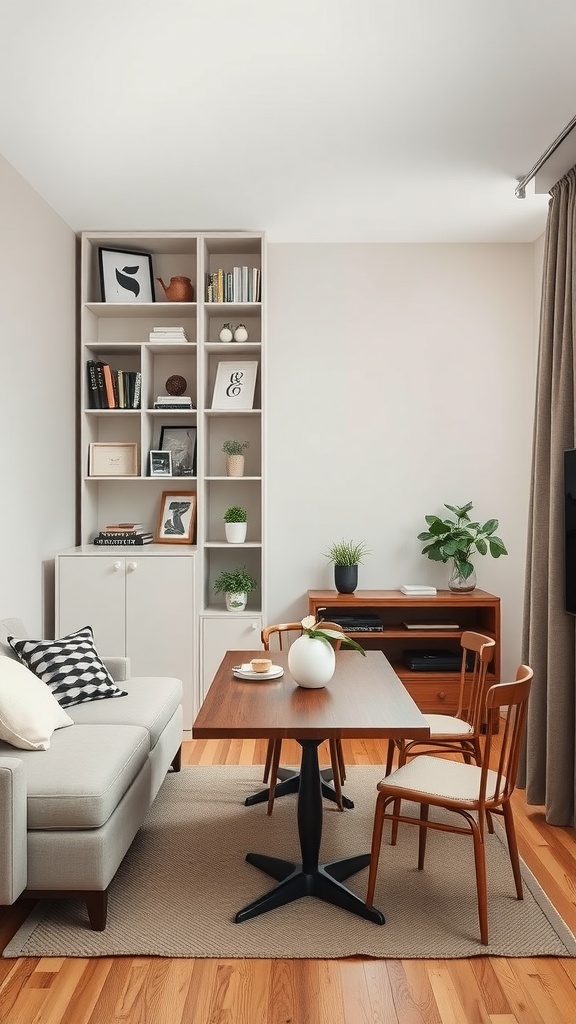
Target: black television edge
[570, 530]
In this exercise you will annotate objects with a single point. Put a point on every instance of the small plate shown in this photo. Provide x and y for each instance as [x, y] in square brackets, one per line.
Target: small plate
[275, 672]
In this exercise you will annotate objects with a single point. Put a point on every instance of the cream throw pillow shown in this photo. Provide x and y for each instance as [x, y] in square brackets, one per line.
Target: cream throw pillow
[29, 713]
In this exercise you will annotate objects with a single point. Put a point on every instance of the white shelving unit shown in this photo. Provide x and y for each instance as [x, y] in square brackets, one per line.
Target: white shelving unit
[118, 333]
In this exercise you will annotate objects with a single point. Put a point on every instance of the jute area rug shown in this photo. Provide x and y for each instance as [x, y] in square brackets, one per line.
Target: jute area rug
[185, 876]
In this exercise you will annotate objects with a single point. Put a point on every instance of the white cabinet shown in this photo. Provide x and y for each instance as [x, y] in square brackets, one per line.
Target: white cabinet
[221, 633]
[138, 606]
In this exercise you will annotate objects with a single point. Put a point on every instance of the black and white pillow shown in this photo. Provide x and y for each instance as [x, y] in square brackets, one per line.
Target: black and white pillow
[70, 667]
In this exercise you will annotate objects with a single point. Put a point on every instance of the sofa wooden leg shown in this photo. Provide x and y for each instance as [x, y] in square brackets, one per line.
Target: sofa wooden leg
[177, 762]
[97, 907]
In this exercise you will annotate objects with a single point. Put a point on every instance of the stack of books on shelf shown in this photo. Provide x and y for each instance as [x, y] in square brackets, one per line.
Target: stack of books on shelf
[241, 284]
[123, 533]
[175, 334]
[173, 402]
[418, 590]
[112, 389]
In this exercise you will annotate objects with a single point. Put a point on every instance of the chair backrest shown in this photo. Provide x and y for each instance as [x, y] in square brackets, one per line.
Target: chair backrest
[284, 633]
[480, 649]
[513, 697]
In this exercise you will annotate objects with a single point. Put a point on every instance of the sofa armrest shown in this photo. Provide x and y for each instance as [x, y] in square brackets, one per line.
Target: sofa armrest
[13, 834]
[119, 668]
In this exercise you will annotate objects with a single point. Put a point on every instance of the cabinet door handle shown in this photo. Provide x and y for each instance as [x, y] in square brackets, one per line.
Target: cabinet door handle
[254, 625]
[442, 695]
[117, 566]
[132, 566]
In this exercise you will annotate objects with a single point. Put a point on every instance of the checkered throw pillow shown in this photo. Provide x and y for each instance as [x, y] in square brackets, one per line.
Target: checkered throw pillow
[70, 667]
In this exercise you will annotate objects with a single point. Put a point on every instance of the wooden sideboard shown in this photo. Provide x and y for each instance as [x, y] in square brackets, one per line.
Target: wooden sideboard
[433, 691]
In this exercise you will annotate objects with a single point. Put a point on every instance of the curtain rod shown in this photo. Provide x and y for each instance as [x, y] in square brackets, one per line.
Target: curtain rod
[520, 190]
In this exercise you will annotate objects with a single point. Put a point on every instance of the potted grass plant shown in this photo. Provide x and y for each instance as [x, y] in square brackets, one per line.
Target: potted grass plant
[346, 556]
[234, 451]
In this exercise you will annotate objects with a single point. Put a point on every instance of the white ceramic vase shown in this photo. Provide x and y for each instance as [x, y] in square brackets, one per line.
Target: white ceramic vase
[235, 602]
[226, 334]
[235, 532]
[311, 661]
[240, 334]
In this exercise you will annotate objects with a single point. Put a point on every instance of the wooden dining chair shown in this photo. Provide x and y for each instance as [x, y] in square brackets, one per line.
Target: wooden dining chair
[469, 790]
[458, 733]
[283, 635]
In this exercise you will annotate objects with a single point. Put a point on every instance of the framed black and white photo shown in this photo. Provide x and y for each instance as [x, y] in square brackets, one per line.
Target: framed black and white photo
[235, 384]
[177, 518]
[180, 441]
[160, 463]
[125, 276]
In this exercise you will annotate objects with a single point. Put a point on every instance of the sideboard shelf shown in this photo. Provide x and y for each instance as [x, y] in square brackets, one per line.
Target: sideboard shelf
[434, 691]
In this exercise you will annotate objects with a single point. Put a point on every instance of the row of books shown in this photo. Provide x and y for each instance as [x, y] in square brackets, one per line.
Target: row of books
[180, 402]
[241, 284]
[112, 389]
[117, 534]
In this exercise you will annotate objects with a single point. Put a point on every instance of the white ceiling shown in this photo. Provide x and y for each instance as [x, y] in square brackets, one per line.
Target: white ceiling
[314, 120]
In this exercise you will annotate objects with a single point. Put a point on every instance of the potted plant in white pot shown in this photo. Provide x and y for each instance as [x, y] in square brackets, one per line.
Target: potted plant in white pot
[458, 539]
[235, 584]
[235, 458]
[235, 524]
[346, 556]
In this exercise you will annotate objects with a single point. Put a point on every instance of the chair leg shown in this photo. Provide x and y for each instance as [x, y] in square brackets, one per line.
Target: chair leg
[422, 836]
[268, 762]
[394, 830]
[513, 848]
[480, 865]
[274, 774]
[375, 849]
[336, 777]
[341, 762]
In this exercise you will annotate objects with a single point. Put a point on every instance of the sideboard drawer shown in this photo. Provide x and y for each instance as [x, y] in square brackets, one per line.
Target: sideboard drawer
[439, 696]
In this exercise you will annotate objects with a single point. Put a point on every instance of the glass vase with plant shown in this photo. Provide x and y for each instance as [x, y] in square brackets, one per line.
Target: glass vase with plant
[457, 539]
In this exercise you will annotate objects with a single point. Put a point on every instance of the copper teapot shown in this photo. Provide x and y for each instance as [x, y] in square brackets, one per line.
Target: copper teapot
[180, 289]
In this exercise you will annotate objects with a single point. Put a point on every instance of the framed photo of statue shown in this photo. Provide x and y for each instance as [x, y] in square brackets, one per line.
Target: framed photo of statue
[176, 518]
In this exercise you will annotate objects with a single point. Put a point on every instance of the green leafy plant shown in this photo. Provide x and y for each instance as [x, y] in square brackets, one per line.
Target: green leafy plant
[459, 538]
[235, 447]
[235, 514]
[314, 628]
[347, 552]
[235, 581]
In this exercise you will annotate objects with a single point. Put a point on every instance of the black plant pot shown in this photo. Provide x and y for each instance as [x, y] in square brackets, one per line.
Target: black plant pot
[346, 578]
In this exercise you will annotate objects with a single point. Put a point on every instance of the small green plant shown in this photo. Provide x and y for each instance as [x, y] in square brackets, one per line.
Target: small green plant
[458, 538]
[347, 552]
[235, 514]
[235, 581]
[235, 447]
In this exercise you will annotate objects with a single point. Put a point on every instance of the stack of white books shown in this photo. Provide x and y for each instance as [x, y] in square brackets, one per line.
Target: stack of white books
[175, 334]
[418, 590]
[173, 402]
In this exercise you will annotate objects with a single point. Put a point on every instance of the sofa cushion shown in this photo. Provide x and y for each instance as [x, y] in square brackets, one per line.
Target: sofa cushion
[70, 667]
[29, 713]
[80, 780]
[150, 701]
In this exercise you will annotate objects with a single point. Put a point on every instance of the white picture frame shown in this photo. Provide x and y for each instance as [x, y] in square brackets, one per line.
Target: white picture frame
[160, 462]
[235, 384]
[113, 458]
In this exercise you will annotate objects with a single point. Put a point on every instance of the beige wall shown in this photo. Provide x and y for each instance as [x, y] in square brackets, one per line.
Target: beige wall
[400, 377]
[37, 397]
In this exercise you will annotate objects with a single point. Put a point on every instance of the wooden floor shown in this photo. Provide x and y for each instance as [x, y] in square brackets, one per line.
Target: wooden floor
[482, 990]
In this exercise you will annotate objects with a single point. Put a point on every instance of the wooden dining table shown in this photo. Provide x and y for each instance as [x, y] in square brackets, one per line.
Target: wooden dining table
[364, 699]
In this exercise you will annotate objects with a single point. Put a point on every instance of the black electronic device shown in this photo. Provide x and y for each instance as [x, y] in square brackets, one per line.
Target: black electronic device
[432, 660]
[352, 623]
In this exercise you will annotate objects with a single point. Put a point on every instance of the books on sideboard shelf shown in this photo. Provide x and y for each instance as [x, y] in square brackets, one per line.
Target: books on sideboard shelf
[112, 389]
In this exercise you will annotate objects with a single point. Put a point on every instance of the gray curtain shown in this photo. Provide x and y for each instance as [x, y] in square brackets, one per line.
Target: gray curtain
[548, 641]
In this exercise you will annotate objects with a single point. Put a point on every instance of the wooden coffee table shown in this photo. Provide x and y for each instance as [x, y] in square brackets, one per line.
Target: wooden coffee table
[364, 698]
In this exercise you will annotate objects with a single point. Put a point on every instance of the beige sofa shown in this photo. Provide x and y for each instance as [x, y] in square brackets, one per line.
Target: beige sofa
[70, 813]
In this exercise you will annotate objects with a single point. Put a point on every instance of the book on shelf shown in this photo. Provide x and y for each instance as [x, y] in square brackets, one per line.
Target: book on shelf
[124, 526]
[123, 533]
[418, 590]
[94, 396]
[431, 625]
[169, 330]
[177, 335]
[132, 541]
